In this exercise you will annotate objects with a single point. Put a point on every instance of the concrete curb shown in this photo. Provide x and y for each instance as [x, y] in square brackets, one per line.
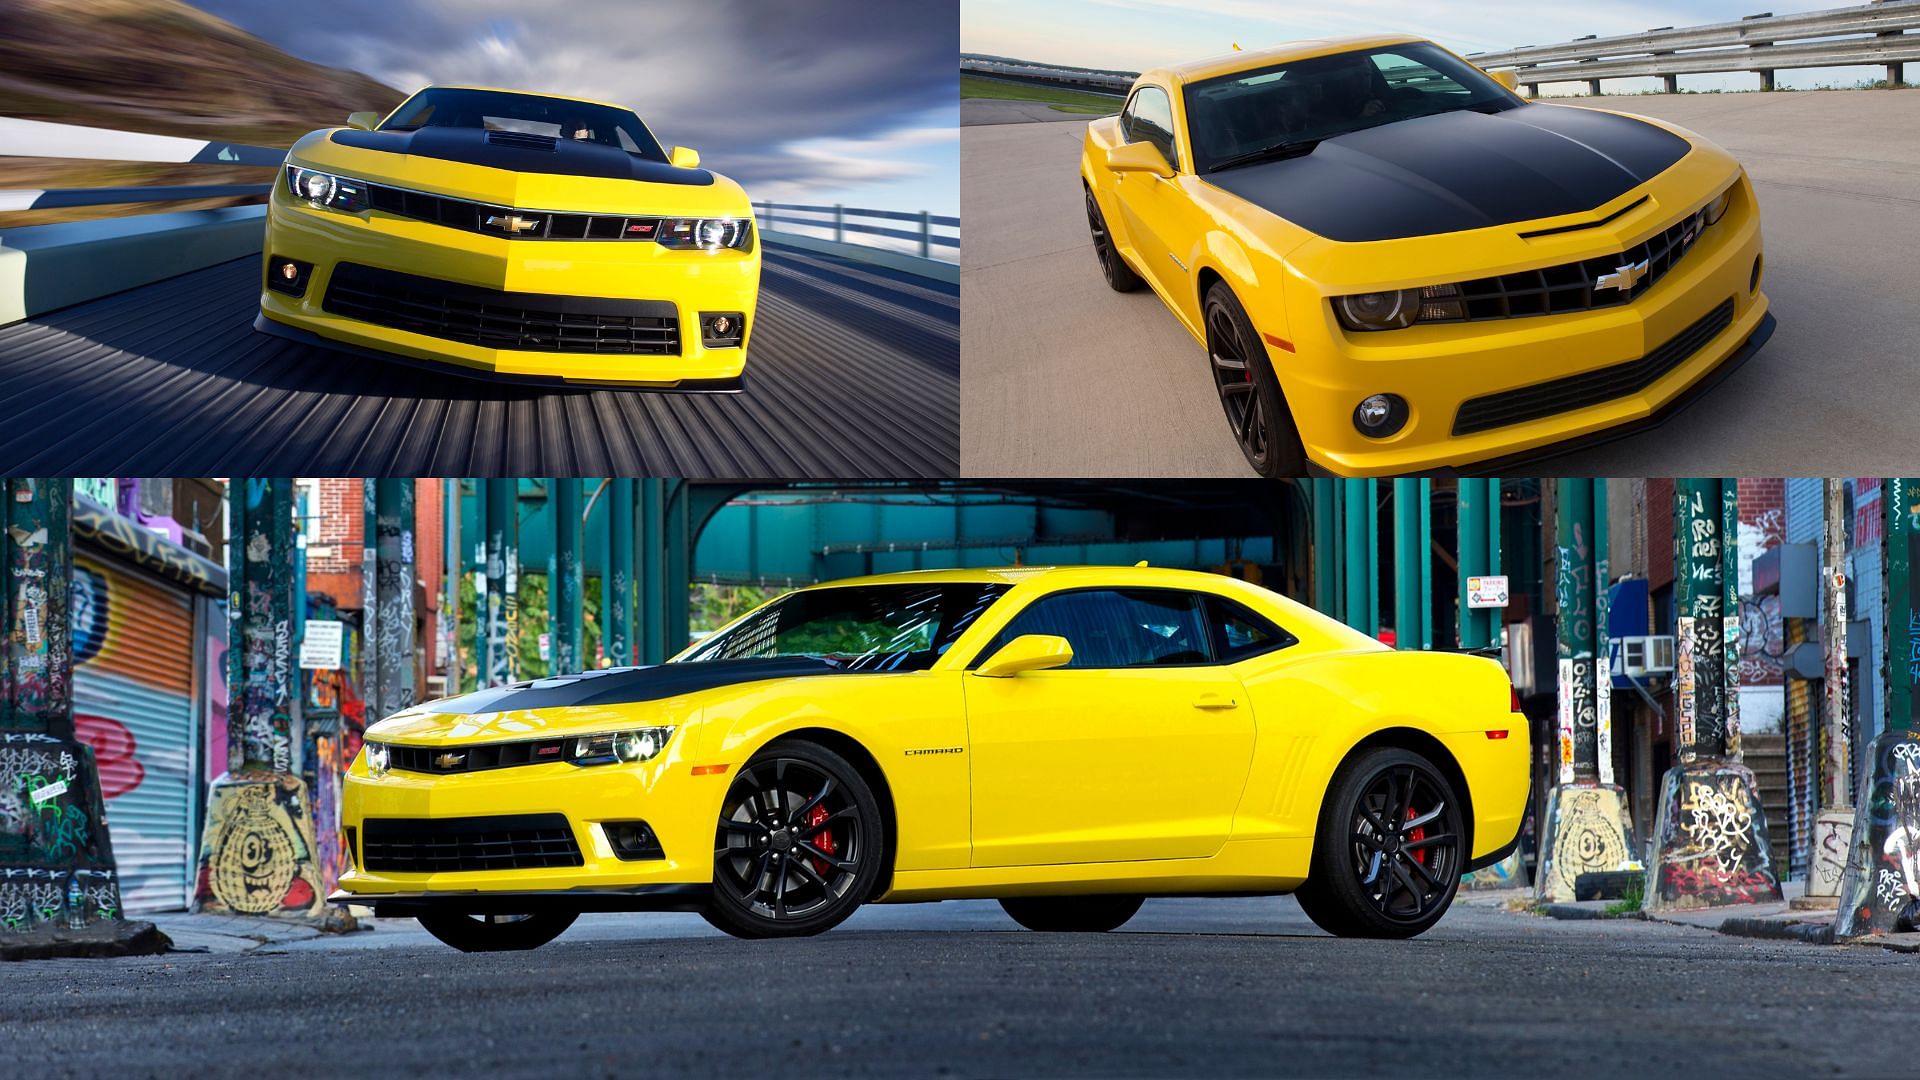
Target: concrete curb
[107, 938]
[1776, 929]
[1587, 909]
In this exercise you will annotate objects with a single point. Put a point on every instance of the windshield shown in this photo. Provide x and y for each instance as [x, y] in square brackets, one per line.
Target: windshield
[1301, 102]
[530, 114]
[864, 627]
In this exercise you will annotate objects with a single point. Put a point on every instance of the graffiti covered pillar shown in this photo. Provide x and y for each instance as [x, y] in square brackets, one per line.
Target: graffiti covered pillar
[1833, 823]
[1588, 827]
[257, 856]
[1710, 844]
[503, 581]
[56, 858]
[1326, 553]
[1479, 546]
[1880, 890]
[678, 544]
[564, 577]
[393, 620]
[369, 593]
[616, 610]
[1412, 563]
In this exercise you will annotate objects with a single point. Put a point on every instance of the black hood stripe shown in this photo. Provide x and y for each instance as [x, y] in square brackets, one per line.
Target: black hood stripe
[631, 685]
[568, 157]
[1458, 171]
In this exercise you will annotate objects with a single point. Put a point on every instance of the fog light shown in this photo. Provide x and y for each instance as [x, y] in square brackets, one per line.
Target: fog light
[722, 329]
[633, 840]
[1380, 415]
[288, 276]
[722, 326]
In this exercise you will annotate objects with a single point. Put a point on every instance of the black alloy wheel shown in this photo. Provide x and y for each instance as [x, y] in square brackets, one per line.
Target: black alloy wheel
[1389, 854]
[1120, 277]
[1249, 390]
[798, 845]
[497, 933]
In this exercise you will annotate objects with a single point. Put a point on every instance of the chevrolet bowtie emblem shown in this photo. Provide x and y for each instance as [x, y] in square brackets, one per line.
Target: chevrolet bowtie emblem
[1623, 278]
[513, 223]
[449, 761]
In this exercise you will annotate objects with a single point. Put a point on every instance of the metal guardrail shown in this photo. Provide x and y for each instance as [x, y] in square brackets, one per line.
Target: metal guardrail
[1867, 35]
[1101, 81]
[35, 138]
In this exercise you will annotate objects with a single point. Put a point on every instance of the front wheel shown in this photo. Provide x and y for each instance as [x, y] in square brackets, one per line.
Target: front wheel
[1072, 914]
[1119, 276]
[1249, 391]
[1388, 855]
[798, 846]
[497, 933]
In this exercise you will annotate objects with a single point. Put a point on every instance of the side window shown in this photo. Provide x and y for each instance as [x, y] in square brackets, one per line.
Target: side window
[1238, 633]
[1116, 628]
[1149, 118]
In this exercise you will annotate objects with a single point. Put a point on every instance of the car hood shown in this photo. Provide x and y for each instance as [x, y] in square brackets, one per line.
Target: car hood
[591, 701]
[1458, 171]
[521, 153]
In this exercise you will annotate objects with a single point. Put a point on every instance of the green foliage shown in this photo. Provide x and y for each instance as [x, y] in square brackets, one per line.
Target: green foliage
[712, 606]
[1071, 101]
[1632, 902]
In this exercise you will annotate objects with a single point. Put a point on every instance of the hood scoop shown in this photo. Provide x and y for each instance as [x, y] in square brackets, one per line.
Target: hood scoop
[521, 140]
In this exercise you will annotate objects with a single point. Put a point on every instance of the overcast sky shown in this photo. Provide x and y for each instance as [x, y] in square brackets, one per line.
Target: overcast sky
[851, 101]
[1135, 34]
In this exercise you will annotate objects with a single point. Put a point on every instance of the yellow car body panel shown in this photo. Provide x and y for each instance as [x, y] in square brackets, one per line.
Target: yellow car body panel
[1180, 233]
[1195, 779]
[694, 281]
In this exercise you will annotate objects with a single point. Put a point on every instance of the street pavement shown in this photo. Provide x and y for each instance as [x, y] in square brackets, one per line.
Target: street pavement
[1063, 377]
[1221, 987]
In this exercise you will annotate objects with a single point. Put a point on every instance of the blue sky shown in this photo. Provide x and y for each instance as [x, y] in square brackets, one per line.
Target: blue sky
[1135, 34]
[826, 101]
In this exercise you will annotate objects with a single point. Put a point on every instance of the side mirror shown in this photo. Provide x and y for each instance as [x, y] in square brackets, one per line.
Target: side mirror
[1138, 157]
[1507, 79]
[684, 157]
[365, 121]
[1028, 652]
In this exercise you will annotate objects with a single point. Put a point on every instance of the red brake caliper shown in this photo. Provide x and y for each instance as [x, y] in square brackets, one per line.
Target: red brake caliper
[824, 841]
[1418, 832]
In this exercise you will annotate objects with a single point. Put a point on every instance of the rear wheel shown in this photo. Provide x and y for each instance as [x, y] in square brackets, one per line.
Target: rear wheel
[497, 933]
[1120, 277]
[798, 846]
[1388, 856]
[1249, 390]
[1072, 914]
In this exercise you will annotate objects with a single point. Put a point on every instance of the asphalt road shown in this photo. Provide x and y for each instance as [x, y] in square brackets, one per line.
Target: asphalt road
[1063, 377]
[1220, 987]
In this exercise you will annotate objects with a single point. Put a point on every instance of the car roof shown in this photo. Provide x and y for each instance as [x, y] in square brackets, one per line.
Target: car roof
[1121, 576]
[529, 93]
[1251, 59]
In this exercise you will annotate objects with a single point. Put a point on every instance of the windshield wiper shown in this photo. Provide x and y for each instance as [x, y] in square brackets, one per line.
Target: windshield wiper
[1267, 153]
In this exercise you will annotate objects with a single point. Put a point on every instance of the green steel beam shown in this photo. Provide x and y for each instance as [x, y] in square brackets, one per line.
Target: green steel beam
[1412, 563]
[503, 581]
[651, 570]
[1326, 587]
[678, 547]
[1479, 556]
[616, 609]
[36, 679]
[450, 582]
[1700, 595]
[1901, 501]
[1576, 627]
[565, 578]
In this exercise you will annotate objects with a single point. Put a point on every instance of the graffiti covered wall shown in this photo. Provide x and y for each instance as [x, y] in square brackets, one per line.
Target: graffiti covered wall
[1710, 840]
[258, 856]
[1589, 830]
[1880, 891]
[56, 863]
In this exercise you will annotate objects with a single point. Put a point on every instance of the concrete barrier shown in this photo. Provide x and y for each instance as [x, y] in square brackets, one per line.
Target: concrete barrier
[892, 260]
[43, 267]
[1710, 840]
[1589, 830]
[1882, 879]
[258, 855]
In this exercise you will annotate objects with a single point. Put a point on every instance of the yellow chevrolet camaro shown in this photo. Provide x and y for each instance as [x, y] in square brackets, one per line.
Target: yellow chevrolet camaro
[1396, 264]
[529, 236]
[1068, 741]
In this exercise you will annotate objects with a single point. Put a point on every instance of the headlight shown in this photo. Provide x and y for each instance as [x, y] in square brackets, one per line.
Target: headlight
[326, 190]
[1379, 310]
[377, 759]
[707, 234]
[1717, 209]
[639, 744]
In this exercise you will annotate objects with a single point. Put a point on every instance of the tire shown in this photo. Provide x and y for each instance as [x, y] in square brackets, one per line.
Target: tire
[1072, 914]
[497, 933]
[1250, 394]
[798, 846]
[1120, 277]
[1421, 859]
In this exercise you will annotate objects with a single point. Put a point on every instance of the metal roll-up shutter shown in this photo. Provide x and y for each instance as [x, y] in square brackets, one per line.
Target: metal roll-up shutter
[133, 697]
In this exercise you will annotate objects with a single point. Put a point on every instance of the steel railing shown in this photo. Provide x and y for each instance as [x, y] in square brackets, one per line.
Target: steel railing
[1868, 35]
[1111, 82]
[36, 138]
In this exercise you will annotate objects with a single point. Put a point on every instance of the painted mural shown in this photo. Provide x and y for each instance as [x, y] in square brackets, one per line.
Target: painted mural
[1589, 830]
[258, 856]
[1710, 841]
[1880, 891]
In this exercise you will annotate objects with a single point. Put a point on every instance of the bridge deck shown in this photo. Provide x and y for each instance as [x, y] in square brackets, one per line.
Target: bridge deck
[855, 373]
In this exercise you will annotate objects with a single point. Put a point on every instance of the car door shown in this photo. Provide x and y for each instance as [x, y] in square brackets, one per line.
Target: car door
[1149, 204]
[1138, 749]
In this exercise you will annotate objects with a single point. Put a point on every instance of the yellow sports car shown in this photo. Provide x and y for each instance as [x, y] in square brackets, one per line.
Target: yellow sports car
[1067, 741]
[529, 236]
[1396, 264]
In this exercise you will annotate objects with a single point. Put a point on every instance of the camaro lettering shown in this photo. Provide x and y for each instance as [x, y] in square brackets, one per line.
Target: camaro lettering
[937, 750]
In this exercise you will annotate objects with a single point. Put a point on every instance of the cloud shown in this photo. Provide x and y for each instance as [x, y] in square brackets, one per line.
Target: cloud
[794, 93]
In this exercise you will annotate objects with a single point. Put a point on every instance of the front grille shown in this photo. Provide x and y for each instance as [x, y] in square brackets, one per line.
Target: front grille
[509, 222]
[439, 845]
[1554, 290]
[461, 759]
[1590, 387]
[531, 322]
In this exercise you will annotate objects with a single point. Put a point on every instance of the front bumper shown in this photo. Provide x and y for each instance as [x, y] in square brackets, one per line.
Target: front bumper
[692, 281]
[681, 810]
[1437, 368]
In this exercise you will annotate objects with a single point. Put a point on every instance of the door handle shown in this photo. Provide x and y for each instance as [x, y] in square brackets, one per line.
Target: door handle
[1215, 701]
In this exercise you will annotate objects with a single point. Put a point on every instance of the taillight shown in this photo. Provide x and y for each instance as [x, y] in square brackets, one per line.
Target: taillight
[1516, 697]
